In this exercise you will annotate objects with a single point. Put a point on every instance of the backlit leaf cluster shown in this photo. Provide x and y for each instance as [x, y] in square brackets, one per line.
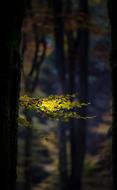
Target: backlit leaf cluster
[55, 106]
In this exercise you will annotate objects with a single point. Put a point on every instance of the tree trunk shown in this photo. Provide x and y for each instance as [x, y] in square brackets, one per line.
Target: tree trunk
[113, 64]
[78, 128]
[9, 84]
[83, 97]
[60, 63]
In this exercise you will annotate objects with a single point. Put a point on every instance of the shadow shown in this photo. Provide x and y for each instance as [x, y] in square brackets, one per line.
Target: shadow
[38, 174]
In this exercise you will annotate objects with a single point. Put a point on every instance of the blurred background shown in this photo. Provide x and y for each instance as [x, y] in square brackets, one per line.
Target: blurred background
[65, 49]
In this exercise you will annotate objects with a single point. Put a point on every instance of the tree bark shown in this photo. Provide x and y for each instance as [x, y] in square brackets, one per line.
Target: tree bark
[10, 86]
[113, 63]
[60, 63]
[78, 128]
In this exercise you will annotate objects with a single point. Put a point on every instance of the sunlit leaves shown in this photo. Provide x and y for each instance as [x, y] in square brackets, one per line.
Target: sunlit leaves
[55, 106]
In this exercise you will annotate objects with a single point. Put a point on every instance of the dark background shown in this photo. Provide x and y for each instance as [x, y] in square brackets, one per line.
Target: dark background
[65, 47]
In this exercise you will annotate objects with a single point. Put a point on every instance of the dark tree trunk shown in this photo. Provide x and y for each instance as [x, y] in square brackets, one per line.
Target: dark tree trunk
[113, 64]
[59, 40]
[10, 86]
[72, 50]
[83, 97]
[78, 128]
[60, 63]
[78, 154]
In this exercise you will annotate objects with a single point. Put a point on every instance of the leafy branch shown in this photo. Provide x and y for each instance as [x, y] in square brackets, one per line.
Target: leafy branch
[61, 107]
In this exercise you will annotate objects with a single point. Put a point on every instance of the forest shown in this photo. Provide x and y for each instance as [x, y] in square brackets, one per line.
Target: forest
[58, 100]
